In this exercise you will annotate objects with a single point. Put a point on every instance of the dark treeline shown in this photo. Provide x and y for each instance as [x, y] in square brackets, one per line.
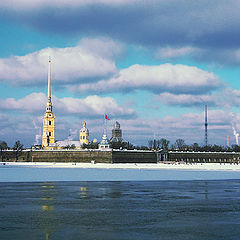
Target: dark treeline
[155, 144]
[180, 145]
[164, 144]
[17, 147]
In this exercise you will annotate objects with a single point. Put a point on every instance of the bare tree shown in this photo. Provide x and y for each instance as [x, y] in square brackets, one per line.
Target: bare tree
[18, 147]
[195, 147]
[164, 143]
[150, 144]
[3, 146]
[180, 144]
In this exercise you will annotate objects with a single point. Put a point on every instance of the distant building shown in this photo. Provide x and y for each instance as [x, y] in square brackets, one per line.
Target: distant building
[84, 135]
[116, 133]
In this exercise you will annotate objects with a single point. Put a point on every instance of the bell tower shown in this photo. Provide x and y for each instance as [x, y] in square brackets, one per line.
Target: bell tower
[48, 136]
[84, 134]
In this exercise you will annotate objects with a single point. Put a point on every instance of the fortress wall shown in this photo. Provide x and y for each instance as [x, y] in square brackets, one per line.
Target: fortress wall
[196, 157]
[118, 156]
[84, 156]
[134, 157]
[72, 156]
[10, 156]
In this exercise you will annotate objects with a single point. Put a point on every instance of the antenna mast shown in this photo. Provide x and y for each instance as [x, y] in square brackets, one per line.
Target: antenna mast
[206, 125]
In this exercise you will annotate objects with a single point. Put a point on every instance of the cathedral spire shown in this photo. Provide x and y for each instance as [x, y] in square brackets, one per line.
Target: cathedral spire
[48, 137]
[49, 79]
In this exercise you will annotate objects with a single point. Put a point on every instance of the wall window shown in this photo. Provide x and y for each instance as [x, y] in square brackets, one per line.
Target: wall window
[49, 122]
[50, 134]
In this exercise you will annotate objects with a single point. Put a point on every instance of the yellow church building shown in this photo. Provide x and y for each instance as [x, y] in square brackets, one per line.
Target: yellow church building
[48, 136]
[84, 134]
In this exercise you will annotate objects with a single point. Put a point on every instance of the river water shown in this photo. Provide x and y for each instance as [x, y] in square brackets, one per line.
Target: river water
[124, 210]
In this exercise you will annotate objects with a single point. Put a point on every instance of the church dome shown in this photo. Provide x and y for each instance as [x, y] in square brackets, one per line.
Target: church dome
[84, 129]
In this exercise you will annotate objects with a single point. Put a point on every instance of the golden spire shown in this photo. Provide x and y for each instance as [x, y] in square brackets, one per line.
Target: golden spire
[49, 80]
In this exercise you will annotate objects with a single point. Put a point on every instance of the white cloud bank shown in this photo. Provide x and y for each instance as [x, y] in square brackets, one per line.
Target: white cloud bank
[91, 59]
[91, 106]
[162, 78]
[226, 98]
[188, 100]
[225, 56]
[189, 127]
[171, 52]
[26, 4]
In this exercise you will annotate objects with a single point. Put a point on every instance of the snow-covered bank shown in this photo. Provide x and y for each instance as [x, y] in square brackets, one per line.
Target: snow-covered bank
[176, 166]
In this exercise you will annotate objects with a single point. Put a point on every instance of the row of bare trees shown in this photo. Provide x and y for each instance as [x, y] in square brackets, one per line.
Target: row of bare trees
[17, 147]
[180, 145]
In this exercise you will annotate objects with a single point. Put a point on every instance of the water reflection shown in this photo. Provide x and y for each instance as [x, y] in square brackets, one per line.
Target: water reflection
[206, 191]
[83, 192]
[48, 199]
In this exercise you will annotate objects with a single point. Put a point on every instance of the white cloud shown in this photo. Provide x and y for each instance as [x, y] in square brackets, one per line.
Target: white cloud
[230, 56]
[171, 52]
[90, 59]
[161, 78]
[26, 4]
[91, 106]
[104, 47]
[188, 99]
[188, 126]
[30, 103]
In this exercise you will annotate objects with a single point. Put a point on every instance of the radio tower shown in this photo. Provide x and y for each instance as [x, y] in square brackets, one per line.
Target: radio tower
[206, 125]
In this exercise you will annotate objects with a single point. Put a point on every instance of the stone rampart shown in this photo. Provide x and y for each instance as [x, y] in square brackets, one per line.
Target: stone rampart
[72, 156]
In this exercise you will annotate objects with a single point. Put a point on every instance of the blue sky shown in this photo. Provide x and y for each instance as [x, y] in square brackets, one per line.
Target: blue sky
[151, 65]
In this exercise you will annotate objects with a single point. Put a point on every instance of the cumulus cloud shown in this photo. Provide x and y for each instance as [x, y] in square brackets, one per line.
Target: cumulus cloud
[94, 106]
[30, 103]
[171, 52]
[162, 78]
[188, 126]
[189, 100]
[90, 60]
[230, 98]
[225, 56]
[225, 98]
[91, 106]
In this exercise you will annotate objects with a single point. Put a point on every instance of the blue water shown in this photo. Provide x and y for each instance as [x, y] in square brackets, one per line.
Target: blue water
[126, 210]
[33, 174]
